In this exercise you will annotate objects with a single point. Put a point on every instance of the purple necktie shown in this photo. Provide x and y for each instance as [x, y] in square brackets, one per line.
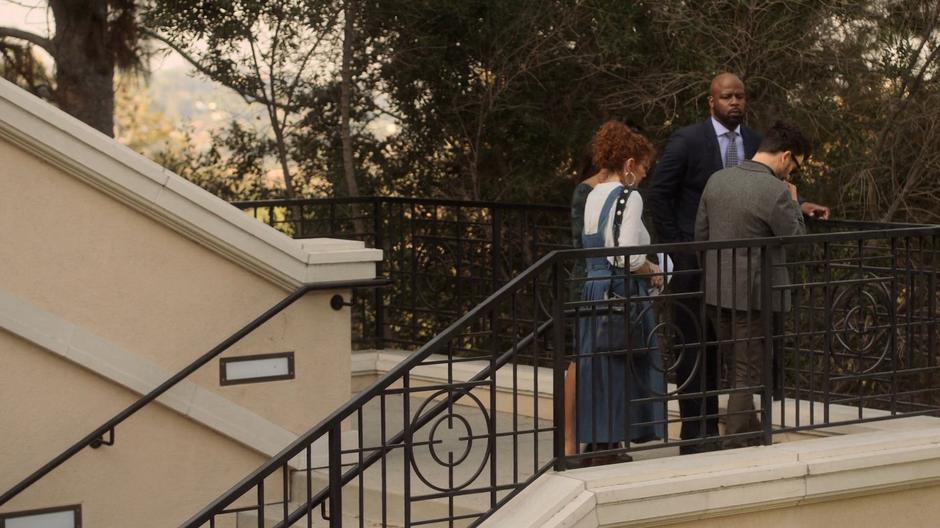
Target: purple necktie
[731, 155]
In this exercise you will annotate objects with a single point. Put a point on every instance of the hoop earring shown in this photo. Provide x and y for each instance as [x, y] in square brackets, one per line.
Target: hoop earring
[632, 179]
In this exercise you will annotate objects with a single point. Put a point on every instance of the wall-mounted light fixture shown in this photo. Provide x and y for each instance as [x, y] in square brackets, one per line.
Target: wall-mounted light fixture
[257, 368]
[61, 517]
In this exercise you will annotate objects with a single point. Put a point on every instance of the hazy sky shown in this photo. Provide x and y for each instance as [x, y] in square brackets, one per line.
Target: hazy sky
[24, 14]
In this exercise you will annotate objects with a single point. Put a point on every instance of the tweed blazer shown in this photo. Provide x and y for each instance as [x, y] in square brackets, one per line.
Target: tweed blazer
[747, 201]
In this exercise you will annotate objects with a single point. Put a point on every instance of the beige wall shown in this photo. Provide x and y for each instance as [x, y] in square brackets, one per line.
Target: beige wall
[90, 260]
[162, 468]
[914, 508]
[83, 256]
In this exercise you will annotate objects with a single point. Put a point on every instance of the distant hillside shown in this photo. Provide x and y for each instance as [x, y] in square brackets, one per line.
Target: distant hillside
[190, 101]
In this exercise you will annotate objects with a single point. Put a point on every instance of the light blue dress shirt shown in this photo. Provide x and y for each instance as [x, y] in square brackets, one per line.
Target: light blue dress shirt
[720, 131]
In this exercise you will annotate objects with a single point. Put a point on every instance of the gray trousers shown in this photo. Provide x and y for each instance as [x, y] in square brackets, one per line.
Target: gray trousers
[740, 336]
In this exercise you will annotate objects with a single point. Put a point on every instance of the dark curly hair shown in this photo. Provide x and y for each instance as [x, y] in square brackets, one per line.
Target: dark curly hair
[614, 143]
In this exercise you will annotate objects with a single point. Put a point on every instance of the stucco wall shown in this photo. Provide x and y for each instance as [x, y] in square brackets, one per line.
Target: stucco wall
[162, 468]
[99, 264]
[87, 258]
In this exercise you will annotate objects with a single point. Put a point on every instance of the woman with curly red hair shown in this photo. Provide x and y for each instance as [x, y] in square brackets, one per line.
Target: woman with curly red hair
[618, 382]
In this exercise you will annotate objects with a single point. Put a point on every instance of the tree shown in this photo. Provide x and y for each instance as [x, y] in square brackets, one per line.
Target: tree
[498, 100]
[271, 53]
[228, 167]
[92, 39]
[346, 88]
[495, 98]
[892, 177]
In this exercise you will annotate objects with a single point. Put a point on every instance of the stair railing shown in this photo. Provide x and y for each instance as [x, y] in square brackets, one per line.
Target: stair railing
[509, 324]
[96, 438]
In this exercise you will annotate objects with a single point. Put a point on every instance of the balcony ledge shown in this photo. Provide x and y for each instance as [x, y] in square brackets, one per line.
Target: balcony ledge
[670, 490]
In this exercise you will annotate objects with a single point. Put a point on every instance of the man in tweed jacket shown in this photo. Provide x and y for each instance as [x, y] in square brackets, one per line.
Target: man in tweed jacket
[753, 200]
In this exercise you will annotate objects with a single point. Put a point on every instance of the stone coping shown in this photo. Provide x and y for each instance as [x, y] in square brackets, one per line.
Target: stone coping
[83, 152]
[668, 490]
[378, 362]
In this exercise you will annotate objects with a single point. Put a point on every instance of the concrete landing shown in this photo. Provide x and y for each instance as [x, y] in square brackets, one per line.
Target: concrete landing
[517, 458]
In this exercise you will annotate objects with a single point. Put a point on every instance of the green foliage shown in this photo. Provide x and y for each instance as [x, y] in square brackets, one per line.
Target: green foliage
[228, 169]
[256, 47]
[283, 55]
[498, 100]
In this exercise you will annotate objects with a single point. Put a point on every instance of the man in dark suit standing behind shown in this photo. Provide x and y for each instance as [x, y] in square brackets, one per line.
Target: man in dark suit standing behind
[696, 152]
[692, 155]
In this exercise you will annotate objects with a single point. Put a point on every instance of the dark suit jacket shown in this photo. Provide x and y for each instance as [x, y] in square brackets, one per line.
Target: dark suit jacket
[742, 202]
[675, 189]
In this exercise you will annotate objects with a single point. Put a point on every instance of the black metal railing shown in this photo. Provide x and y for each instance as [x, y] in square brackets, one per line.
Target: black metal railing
[104, 435]
[444, 256]
[863, 329]
[850, 316]
[460, 427]
[407, 458]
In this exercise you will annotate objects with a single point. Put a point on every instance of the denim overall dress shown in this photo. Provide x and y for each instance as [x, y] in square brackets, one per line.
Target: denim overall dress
[618, 400]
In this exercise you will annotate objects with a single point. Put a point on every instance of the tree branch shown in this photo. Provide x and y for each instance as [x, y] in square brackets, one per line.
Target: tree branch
[303, 63]
[248, 97]
[33, 38]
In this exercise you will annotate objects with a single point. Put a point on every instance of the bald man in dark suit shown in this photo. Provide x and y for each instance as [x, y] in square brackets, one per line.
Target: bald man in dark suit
[692, 155]
[696, 152]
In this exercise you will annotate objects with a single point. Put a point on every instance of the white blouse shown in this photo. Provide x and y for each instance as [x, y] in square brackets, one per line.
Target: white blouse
[632, 230]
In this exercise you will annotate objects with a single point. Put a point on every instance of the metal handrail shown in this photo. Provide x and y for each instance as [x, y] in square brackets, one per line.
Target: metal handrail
[94, 439]
[477, 235]
[842, 236]
[859, 224]
[248, 204]
[423, 420]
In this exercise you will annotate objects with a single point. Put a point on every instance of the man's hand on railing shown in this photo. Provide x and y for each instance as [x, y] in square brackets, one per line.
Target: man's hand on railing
[815, 210]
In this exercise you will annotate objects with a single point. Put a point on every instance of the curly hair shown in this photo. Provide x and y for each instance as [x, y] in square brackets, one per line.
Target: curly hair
[614, 143]
[783, 136]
